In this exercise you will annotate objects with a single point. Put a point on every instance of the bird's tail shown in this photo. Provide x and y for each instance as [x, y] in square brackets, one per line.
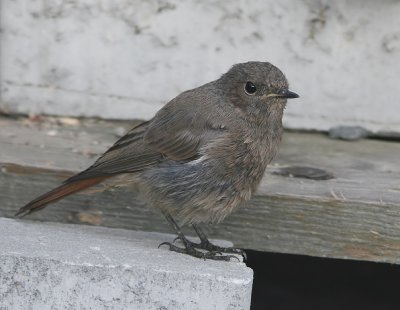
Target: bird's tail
[60, 192]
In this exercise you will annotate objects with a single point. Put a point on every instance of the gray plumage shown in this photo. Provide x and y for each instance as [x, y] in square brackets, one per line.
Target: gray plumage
[204, 153]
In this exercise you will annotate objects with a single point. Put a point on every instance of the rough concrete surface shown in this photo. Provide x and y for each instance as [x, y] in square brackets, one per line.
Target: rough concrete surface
[125, 59]
[59, 266]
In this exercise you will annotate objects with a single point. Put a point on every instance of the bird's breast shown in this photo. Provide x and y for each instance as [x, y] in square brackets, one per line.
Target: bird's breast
[242, 159]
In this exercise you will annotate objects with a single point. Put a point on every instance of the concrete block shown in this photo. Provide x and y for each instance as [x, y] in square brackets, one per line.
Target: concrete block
[59, 266]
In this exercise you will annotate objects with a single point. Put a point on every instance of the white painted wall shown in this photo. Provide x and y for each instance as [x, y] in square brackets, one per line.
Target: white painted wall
[125, 59]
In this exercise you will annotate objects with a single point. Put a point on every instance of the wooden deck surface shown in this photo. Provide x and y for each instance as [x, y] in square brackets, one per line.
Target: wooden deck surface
[355, 214]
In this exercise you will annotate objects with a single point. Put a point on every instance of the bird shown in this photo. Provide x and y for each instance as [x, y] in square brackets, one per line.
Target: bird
[200, 157]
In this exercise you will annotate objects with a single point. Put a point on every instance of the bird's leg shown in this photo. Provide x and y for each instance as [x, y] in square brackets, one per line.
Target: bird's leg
[205, 244]
[189, 247]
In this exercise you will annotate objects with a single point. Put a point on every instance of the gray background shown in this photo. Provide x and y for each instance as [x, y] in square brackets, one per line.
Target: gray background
[125, 59]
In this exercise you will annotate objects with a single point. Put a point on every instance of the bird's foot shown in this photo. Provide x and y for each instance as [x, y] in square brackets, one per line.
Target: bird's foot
[208, 246]
[190, 249]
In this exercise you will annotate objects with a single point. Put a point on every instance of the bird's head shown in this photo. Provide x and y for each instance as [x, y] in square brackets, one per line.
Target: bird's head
[257, 88]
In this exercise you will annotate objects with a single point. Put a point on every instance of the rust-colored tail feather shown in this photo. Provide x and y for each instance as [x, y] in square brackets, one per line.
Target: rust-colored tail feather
[58, 193]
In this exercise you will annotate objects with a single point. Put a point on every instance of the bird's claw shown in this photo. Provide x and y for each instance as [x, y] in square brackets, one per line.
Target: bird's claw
[208, 246]
[215, 248]
[191, 250]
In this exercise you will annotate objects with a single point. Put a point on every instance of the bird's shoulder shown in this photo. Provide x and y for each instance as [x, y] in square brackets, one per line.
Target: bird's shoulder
[186, 123]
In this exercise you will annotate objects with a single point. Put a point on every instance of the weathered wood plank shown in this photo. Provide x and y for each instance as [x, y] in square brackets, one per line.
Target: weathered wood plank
[355, 215]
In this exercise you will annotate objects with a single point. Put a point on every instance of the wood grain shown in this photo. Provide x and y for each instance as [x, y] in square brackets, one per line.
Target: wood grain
[356, 215]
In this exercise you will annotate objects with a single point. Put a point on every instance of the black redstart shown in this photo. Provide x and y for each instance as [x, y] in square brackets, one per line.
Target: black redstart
[202, 155]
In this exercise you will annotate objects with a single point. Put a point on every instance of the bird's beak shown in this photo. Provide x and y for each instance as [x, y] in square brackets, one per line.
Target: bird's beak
[284, 93]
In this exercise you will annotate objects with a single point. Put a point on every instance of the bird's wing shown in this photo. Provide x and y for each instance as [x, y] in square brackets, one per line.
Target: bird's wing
[128, 154]
[173, 134]
[180, 134]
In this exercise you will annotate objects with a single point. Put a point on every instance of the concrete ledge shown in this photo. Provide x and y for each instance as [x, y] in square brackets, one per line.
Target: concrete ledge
[59, 266]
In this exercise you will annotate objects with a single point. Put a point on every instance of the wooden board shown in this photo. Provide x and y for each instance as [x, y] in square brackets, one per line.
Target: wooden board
[354, 215]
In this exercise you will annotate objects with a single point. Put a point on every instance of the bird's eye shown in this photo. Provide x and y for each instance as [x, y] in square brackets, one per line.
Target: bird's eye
[250, 88]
